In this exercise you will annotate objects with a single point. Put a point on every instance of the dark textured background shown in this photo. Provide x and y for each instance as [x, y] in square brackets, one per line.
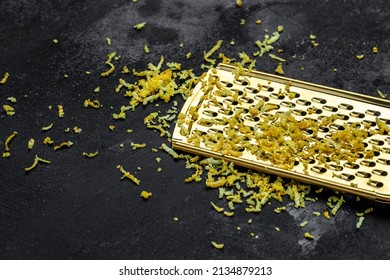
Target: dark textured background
[78, 208]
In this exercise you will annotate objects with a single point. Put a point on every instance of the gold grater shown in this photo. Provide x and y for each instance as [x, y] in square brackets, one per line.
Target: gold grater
[248, 108]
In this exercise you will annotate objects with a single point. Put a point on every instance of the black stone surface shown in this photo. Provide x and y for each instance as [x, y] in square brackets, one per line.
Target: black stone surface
[78, 208]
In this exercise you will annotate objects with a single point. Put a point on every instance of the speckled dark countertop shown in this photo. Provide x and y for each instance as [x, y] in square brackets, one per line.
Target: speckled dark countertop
[78, 208]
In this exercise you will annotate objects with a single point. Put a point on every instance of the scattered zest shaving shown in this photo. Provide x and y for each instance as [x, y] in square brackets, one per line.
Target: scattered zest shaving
[308, 236]
[90, 155]
[146, 195]
[211, 52]
[360, 56]
[280, 209]
[382, 126]
[128, 175]
[92, 103]
[317, 213]
[30, 143]
[326, 215]
[48, 141]
[60, 111]
[217, 208]
[303, 224]
[11, 99]
[170, 151]
[9, 110]
[359, 222]
[137, 145]
[146, 49]
[218, 246]
[139, 26]
[108, 63]
[276, 57]
[381, 94]
[35, 163]
[48, 127]
[4, 79]
[279, 69]
[6, 152]
[335, 207]
[66, 144]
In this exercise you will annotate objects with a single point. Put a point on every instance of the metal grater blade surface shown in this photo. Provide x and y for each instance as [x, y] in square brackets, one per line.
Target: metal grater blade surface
[298, 130]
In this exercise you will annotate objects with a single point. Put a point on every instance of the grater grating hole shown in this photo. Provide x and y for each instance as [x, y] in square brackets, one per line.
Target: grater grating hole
[318, 100]
[214, 131]
[384, 132]
[309, 131]
[383, 161]
[252, 119]
[373, 113]
[347, 177]
[225, 111]
[204, 122]
[376, 142]
[230, 101]
[335, 126]
[215, 103]
[323, 129]
[210, 113]
[246, 99]
[314, 110]
[310, 119]
[335, 167]
[319, 169]
[355, 125]
[385, 150]
[260, 97]
[242, 109]
[292, 95]
[287, 104]
[344, 106]
[368, 163]
[251, 90]
[303, 102]
[369, 123]
[374, 183]
[277, 96]
[360, 155]
[201, 132]
[351, 165]
[239, 92]
[363, 174]
[357, 115]
[330, 108]
[241, 82]
[268, 88]
[265, 115]
[387, 121]
[226, 84]
[379, 172]
[299, 112]
[342, 117]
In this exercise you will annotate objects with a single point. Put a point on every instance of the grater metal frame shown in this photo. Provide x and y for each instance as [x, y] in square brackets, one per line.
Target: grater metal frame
[359, 107]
